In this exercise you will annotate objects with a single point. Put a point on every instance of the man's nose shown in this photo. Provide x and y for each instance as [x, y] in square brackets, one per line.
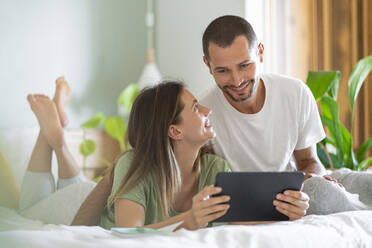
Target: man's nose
[236, 78]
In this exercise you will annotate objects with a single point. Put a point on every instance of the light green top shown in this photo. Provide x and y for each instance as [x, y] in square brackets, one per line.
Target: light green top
[147, 192]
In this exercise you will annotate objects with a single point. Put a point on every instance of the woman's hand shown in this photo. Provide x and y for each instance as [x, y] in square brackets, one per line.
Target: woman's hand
[292, 203]
[205, 208]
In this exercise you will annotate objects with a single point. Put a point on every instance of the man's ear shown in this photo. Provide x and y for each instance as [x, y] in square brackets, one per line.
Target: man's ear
[206, 62]
[174, 132]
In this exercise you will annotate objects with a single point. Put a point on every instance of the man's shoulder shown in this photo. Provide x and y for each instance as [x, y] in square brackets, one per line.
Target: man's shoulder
[280, 79]
[285, 85]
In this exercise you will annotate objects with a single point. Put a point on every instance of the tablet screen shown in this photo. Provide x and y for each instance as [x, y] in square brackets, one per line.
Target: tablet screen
[252, 194]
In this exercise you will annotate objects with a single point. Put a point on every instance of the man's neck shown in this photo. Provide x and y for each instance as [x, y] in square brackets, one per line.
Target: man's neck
[253, 105]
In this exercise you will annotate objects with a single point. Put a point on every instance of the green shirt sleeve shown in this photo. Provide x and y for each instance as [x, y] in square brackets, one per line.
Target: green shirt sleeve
[136, 194]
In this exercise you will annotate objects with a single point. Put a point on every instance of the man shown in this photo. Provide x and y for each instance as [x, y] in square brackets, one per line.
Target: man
[264, 122]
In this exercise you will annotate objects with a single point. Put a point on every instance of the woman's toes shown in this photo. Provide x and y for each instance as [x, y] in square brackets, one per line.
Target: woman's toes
[30, 98]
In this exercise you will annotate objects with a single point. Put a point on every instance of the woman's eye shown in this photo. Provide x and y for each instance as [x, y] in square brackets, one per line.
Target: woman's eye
[196, 107]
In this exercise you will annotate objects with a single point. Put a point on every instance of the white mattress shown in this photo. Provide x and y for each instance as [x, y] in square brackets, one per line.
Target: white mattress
[348, 229]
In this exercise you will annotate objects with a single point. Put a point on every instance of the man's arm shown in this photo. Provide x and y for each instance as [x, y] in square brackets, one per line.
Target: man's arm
[93, 206]
[307, 161]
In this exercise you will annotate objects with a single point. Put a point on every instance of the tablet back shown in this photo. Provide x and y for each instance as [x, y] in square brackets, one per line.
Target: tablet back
[252, 194]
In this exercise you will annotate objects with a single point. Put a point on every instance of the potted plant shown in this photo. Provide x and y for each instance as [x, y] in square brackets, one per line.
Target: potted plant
[336, 150]
[115, 126]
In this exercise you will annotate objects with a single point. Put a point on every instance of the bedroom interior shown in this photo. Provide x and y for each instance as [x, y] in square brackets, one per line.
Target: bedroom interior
[100, 47]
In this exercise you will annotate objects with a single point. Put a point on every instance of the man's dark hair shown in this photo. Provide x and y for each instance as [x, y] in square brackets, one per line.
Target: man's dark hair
[223, 31]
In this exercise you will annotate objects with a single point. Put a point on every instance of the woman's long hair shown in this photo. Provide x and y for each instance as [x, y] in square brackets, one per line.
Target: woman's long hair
[153, 111]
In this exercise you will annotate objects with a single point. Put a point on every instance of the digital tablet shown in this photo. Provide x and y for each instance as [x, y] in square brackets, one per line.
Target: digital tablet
[252, 194]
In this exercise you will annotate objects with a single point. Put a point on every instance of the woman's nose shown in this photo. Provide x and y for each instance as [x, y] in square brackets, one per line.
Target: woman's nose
[206, 111]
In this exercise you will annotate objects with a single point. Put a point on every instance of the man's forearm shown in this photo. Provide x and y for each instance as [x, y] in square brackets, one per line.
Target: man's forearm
[307, 161]
[311, 166]
[94, 205]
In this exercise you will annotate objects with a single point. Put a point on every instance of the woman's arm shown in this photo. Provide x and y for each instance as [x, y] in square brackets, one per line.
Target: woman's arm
[129, 213]
[93, 206]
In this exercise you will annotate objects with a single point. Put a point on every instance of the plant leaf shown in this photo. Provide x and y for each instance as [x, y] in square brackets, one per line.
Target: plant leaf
[87, 147]
[357, 77]
[363, 149]
[347, 142]
[322, 156]
[364, 164]
[95, 121]
[335, 132]
[329, 108]
[97, 179]
[115, 127]
[329, 140]
[330, 118]
[321, 82]
[128, 95]
[337, 163]
[333, 90]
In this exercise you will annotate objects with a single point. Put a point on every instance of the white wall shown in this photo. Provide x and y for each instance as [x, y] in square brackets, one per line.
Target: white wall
[99, 46]
[179, 30]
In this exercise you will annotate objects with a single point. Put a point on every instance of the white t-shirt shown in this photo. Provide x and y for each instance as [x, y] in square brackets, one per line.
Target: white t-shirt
[265, 141]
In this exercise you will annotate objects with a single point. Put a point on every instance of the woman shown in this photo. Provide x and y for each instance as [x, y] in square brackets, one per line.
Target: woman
[166, 178]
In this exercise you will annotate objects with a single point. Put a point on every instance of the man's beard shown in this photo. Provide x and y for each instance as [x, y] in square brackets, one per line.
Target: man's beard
[252, 91]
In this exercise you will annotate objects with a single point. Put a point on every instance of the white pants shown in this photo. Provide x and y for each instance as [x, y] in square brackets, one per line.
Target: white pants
[40, 199]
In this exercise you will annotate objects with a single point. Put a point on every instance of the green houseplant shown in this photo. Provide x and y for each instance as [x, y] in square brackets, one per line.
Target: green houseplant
[115, 126]
[324, 86]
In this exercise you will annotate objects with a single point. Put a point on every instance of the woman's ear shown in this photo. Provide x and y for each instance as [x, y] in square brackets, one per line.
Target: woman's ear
[174, 132]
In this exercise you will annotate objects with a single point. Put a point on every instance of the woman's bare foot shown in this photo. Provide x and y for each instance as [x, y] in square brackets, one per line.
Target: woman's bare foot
[62, 96]
[47, 116]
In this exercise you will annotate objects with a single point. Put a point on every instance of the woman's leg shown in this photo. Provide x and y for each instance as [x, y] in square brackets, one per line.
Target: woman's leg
[38, 182]
[327, 197]
[68, 170]
[356, 182]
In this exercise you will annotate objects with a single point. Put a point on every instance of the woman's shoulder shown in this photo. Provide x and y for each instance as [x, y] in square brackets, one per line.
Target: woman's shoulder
[124, 162]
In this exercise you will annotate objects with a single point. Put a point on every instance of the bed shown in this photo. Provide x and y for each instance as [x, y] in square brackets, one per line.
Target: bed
[347, 229]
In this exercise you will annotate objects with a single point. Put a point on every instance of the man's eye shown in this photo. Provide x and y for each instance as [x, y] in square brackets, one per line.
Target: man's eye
[245, 65]
[221, 71]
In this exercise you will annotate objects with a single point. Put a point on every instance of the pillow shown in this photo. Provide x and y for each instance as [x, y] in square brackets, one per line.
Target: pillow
[9, 194]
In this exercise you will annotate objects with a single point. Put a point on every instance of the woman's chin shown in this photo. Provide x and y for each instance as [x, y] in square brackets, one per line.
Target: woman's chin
[210, 133]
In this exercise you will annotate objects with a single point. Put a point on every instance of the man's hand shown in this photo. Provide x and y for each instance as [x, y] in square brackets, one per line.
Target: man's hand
[292, 203]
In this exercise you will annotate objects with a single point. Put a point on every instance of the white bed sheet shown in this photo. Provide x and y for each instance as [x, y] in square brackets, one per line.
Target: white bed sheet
[348, 229]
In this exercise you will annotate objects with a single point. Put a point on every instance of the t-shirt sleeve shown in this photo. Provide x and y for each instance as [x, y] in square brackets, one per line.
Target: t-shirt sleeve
[310, 126]
[138, 192]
